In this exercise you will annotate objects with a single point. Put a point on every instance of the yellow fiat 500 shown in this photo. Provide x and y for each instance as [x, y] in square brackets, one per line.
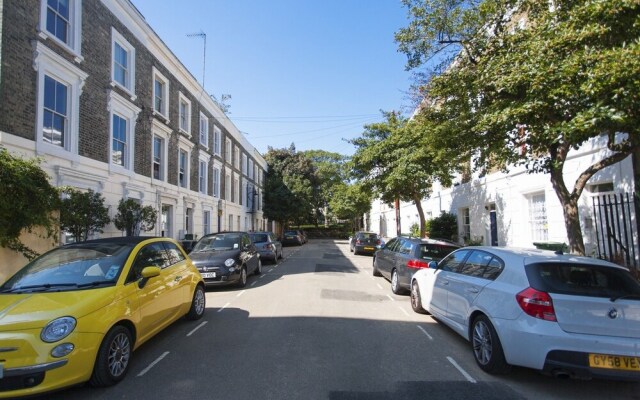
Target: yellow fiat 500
[76, 313]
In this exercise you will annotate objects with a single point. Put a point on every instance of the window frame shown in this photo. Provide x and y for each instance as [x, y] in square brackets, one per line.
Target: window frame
[182, 118]
[118, 105]
[74, 34]
[117, 38]
[185, 145]
[217, 140]
[216, 180]
[48, 63]
[157, 76]
[162, 132]
[205, 119]
[539, 227]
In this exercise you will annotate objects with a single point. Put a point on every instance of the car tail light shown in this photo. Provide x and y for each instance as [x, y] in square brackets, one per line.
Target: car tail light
[537, 304]
[417, 264]
[378, 241]
[358, 241]
[268, 246]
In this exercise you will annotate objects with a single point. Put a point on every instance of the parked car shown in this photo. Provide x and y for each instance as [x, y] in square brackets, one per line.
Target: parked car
[364, 242]
[77, 313]
[402, 256]
[268, 245]
[292, 237]
[566, 315]
[187, 245]
[226, 258]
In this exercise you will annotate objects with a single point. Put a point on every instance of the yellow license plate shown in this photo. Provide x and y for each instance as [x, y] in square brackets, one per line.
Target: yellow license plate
[614, 362]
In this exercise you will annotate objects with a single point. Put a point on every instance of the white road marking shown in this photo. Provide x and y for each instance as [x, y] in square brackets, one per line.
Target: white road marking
[261, 276]
[144, 371]
[241, 293]
[391, 298]
[462, 371]
[224, 306]
[254, 283]
[271, 270]
[425, 332]
[196, 328]
[404, 311]
[379, 286]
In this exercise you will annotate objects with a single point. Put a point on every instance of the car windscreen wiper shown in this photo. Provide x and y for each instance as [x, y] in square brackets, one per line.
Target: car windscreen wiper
[35, 288]
[95, 283]
[625, 296]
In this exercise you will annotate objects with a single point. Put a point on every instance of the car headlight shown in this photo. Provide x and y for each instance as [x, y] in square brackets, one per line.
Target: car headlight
[229, 262]
[58, 329]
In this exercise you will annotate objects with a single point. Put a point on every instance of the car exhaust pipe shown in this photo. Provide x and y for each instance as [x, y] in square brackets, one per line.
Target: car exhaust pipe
[561, 374]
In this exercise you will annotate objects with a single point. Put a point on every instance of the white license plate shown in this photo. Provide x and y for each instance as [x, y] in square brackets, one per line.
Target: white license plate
[208, 274]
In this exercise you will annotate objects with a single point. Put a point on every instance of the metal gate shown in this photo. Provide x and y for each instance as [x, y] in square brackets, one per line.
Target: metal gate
[616, 228]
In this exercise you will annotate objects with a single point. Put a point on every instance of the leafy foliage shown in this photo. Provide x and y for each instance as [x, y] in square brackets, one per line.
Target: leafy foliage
[329, 170]
[132, 217]
[350, 201]
[83, 213]
[529, 83]
[27, 201]
[444, 226]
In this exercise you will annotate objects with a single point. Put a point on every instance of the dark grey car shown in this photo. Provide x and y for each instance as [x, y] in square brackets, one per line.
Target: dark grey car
[226, 258]
[364, 243]
[402, 256]
[267, 245]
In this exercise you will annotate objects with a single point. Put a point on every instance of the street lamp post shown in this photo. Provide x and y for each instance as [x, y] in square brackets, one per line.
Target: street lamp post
[219, 213]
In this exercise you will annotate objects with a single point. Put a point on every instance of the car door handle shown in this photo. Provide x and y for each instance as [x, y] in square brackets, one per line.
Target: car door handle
[472, 290]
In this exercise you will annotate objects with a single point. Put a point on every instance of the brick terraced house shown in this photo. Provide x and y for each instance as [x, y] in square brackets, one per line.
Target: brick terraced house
[91, 89]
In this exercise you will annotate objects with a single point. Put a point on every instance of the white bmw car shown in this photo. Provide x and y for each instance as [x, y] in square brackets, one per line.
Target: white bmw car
[566, 315]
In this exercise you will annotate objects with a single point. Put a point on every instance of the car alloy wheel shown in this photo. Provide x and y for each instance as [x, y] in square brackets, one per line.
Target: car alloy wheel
[242, 282]
[112, 362]
[487, 349]
[259, 267]
[395, 285]
[198, 304]
[416, 302]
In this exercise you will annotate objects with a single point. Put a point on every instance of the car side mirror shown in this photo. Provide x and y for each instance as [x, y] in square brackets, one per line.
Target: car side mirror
[433, 265]
[148, 273]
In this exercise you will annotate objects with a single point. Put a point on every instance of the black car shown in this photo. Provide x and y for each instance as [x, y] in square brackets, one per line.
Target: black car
[364, 242]
[402, 256]
[292, 237]
[226, 258]
[268, 245]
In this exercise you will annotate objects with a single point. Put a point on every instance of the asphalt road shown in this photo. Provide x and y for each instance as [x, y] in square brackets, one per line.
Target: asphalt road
[319, 326]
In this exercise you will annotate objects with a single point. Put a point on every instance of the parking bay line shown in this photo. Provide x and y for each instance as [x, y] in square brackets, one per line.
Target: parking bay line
[224, 306]
[425, 332]
[157, 360]
[196, 328]
[462, 371]
[404, 311]
[391, 298]
[241, 293]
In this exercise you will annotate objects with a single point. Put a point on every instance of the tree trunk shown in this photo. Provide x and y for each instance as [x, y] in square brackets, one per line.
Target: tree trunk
[423, 225]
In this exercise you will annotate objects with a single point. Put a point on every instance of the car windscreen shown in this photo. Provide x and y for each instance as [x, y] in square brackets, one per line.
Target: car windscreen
[429, 251]
[221, 241]
[582, 280]
[291, 233]
[72, 267]
[259, 238]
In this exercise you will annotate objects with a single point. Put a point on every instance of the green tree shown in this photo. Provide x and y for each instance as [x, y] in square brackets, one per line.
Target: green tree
[392, 160]
[27, 202]
[444, 226]
[293, 177]
[350, 201]
[132, 217]
[329, 172]
[83, 213]
[530, 83]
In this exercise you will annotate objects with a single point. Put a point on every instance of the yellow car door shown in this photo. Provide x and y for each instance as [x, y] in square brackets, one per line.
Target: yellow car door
[154, 294]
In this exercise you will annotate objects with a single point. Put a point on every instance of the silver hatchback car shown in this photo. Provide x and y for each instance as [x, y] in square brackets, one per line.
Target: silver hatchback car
[566, 315]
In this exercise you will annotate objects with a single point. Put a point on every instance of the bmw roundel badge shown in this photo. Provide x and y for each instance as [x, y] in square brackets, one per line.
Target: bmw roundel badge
[613, 313]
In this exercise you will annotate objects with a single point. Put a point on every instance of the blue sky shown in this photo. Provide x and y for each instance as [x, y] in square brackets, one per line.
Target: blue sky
[312, 72]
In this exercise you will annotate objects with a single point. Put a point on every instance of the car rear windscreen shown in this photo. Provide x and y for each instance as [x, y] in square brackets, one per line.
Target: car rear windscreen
[259, 238]
[582, 280]
[435, 252]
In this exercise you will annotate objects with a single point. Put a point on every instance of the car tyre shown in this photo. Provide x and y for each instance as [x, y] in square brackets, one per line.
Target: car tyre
[487, 349]
[375, 269]
[242, 282]
[259, 267]
[198, 304]
[395, 283]
[416, 301]
[114, 357]
[280, 255]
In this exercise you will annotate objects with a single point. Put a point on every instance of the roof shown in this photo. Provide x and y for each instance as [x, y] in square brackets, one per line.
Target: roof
[122, 240]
